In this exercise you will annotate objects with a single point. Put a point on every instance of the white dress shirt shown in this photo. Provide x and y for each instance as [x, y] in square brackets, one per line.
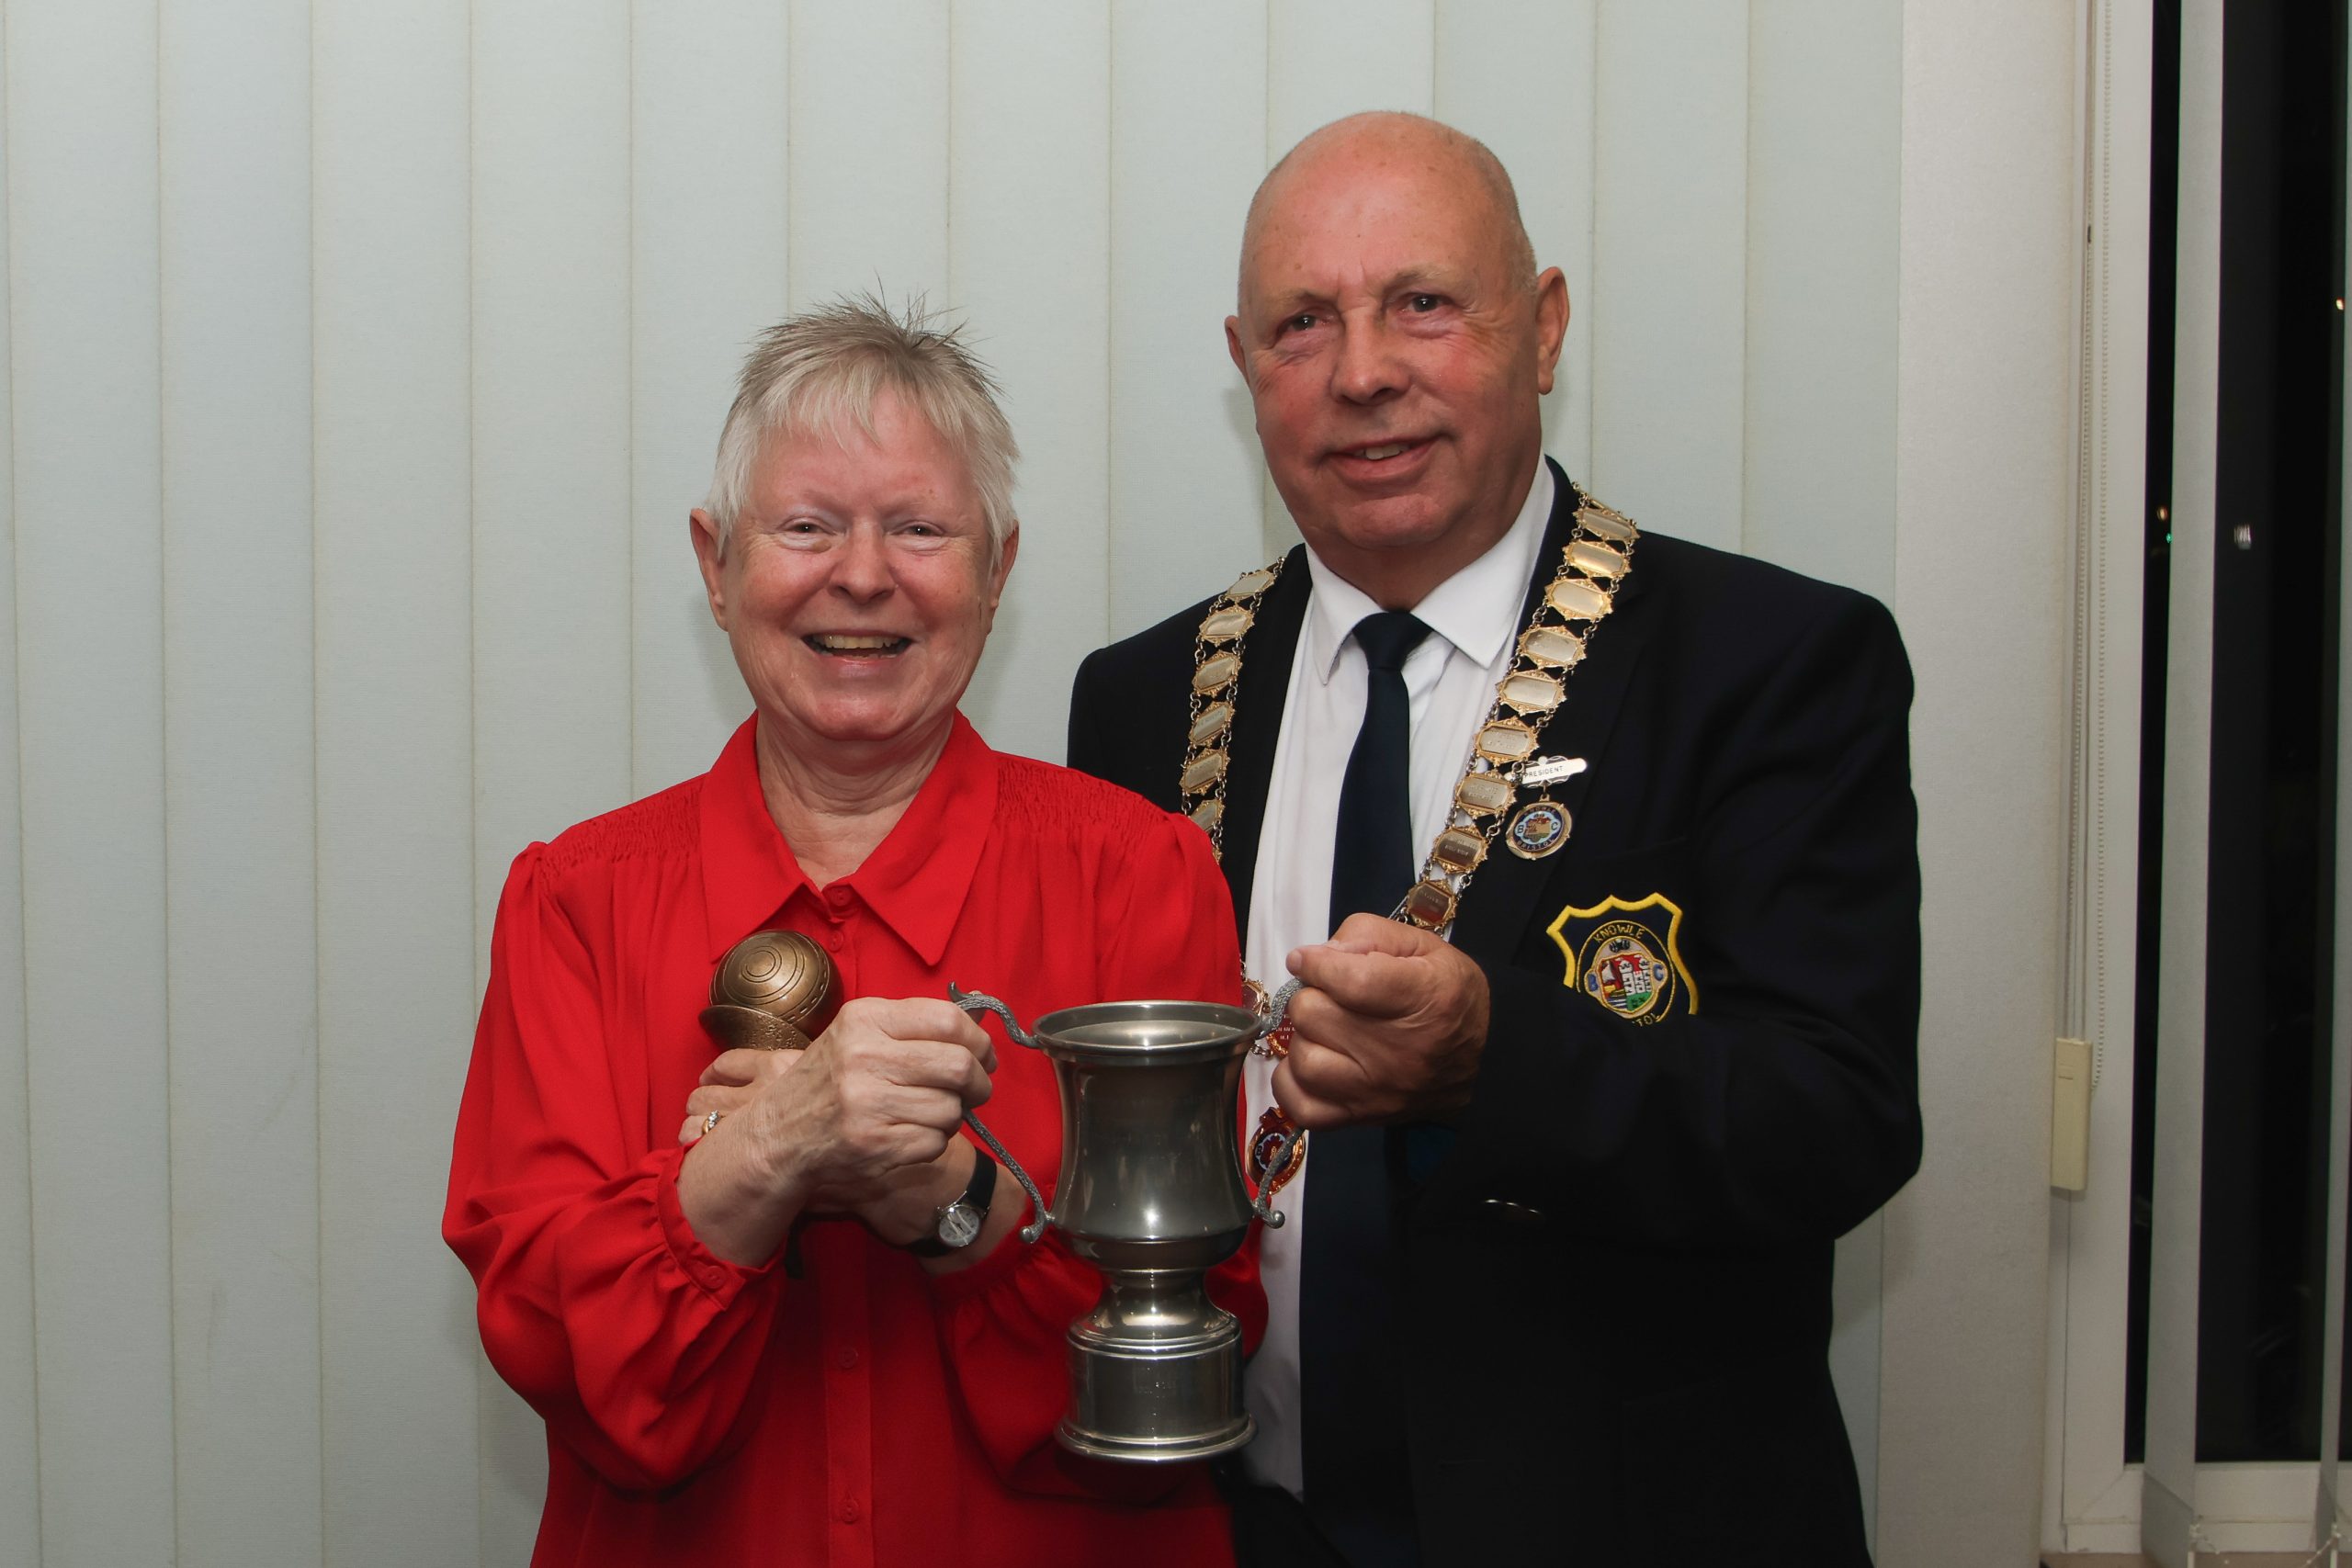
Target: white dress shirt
[1449, 681]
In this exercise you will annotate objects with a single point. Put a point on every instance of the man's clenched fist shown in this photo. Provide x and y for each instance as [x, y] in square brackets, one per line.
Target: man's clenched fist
[1390, 1025]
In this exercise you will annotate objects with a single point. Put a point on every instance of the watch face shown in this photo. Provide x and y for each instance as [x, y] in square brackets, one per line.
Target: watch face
[959, 1224]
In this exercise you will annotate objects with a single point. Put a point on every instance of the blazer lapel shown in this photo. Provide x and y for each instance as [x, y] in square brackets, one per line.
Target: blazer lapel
[1495, 909]
[1258, 699]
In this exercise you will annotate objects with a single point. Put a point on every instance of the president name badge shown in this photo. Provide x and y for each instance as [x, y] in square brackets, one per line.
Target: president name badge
[1625, 957]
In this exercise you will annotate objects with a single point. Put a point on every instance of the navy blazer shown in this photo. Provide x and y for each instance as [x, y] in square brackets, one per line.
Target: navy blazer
[1701, 1068]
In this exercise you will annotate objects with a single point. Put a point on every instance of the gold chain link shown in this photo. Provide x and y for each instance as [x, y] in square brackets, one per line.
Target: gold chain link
[1594, 563]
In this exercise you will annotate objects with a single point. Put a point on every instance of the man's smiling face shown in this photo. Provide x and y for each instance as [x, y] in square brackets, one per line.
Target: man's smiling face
[1395, 353]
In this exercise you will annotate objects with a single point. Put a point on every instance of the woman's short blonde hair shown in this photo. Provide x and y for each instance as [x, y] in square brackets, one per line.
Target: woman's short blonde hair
[824, 368]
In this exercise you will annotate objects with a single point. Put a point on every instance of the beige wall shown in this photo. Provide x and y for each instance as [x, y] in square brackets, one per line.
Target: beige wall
[1983, 547]
[362, 360]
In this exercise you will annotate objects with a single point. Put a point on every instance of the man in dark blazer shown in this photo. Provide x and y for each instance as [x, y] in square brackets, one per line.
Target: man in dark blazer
[1665, 1054]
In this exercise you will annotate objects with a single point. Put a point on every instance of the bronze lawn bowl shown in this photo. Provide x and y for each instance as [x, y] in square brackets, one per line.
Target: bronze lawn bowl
[775, 990]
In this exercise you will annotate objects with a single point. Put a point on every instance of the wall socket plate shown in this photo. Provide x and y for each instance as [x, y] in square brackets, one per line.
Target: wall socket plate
[2070, 1115]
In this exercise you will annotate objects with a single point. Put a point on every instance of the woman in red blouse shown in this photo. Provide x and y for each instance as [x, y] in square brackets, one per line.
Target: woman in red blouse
[723, 1281]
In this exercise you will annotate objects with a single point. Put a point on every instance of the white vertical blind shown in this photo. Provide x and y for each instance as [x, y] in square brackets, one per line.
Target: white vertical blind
[1670, 264]
[84, 358]
[2090, 1499]
[1518, 74]
[19, 1426]
[869, 98]
[1989, 254]
[392, 525]
[363, 363]
[1329, 58]
[240, 906]
[1819, 379]
[1187, 145]
[552, 545]
[1029, 258]
[706, 270]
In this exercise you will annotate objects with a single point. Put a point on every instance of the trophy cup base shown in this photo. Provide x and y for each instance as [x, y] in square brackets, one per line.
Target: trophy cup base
[1128, 1451]
[1155, 1398]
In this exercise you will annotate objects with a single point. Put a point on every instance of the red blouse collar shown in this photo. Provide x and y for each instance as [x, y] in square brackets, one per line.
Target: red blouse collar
[915, 881]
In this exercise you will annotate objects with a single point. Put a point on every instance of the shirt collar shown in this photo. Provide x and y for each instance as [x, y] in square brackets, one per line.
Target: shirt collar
[1476, 609]
[916, 880]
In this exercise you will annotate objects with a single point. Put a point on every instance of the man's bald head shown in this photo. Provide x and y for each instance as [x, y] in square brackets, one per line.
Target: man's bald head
[1395, 138]
[1398, 341]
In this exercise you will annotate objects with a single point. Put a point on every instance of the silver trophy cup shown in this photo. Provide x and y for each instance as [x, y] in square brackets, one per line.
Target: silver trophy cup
[1151, 1195]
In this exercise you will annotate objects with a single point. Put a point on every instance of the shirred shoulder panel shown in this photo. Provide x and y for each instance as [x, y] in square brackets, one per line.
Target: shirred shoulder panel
[659, 827]
[1040, 798]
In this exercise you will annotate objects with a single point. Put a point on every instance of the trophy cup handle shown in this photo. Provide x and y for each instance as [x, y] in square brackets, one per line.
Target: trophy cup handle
[979, 1001]
[1263, 1207]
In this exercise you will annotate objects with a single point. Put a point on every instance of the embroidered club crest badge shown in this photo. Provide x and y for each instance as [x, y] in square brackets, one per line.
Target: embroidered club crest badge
[1617, 957]
[1624, 972]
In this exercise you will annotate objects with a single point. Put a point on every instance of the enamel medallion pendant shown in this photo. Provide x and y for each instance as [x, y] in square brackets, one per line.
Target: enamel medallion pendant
[1539, 828]
[1266, 1146]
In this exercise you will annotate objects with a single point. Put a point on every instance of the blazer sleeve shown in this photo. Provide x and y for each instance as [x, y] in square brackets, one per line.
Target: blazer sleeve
[1087, 748]
[1785, 1106]
[596, 1301]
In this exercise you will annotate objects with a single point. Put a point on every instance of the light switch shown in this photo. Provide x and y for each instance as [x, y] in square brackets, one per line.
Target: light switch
[2070, 1115]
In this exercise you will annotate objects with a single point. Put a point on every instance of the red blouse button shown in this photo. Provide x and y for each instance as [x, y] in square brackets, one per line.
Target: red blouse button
[837, 897]
[851, 1512]
[832, 939]
[845, 1358]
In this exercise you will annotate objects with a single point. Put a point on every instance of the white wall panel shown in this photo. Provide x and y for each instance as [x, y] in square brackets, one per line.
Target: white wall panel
[1824, 120]
[1986, 303]
[869, 149]
[551, 463]
[1031, 135]
[551, 459]
[19, 1434]
[1669, 274]
[707, 272]
[2087, 1492]
[1188, 146]
[235, 95]
[1825, 113]
[1329, 58]
[83, 297]
[395, 773]
[1518, 74]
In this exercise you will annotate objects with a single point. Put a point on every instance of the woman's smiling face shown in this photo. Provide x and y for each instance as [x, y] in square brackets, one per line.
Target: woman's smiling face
[857, 588]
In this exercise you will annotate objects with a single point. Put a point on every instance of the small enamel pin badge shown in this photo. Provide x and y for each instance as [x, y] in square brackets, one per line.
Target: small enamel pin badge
[1545, 771]
[1541, 825]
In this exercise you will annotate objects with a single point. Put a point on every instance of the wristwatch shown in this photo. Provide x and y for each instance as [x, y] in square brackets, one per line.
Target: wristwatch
[957, 1225]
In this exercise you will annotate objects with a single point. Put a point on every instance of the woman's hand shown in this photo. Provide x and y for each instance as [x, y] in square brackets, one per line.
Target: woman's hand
[861, 1121]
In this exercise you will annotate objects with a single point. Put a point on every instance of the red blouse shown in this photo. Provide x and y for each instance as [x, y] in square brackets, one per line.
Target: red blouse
[843, 1407]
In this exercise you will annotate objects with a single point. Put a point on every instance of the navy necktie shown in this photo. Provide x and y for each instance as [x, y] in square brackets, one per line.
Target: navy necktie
[1372, 851]
[1359, 1486]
